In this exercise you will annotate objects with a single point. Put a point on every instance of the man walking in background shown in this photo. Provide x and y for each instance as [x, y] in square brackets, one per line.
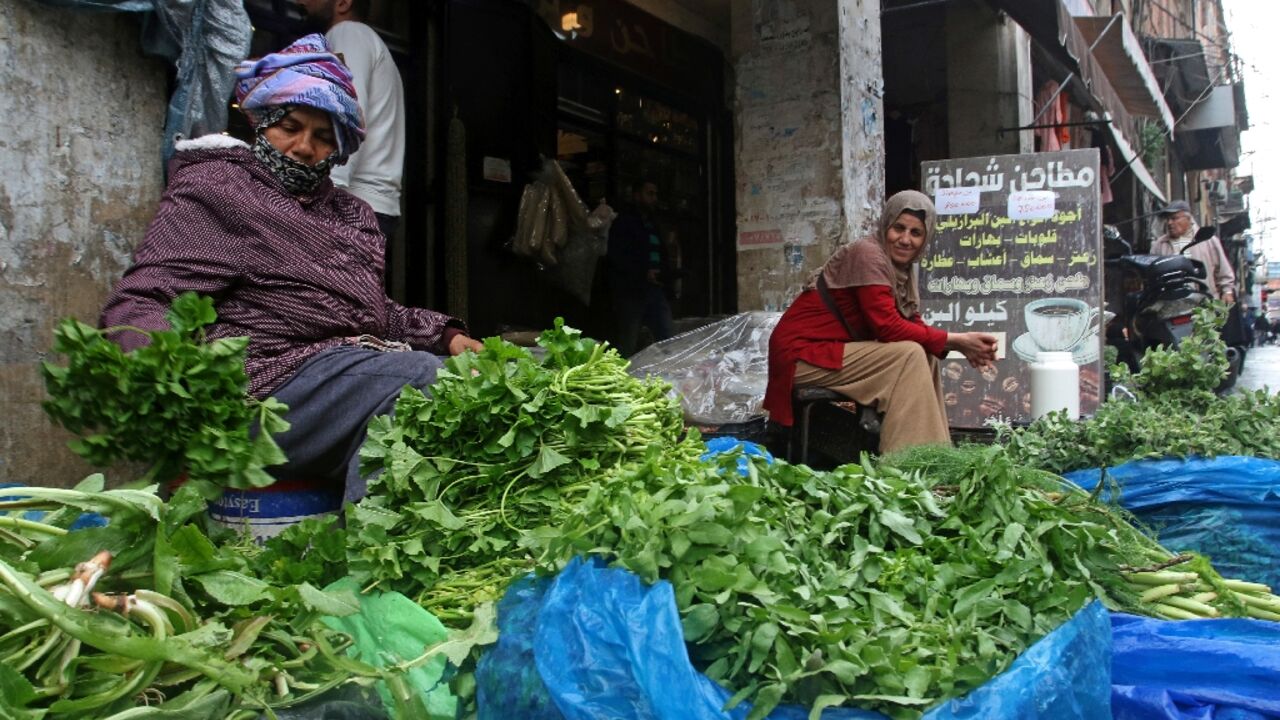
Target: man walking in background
[640, 271]
[372, 174]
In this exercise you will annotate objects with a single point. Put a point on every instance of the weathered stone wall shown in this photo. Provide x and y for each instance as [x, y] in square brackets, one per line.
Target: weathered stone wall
[809, 155]
[80, 174]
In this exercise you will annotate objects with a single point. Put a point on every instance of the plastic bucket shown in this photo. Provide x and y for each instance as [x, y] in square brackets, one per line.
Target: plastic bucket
[266, 512]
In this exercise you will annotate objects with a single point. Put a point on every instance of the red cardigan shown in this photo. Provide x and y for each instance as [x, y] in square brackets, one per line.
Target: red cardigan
[808, 331]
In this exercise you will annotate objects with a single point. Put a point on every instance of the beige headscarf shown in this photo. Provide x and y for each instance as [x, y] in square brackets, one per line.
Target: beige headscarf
[866, 261]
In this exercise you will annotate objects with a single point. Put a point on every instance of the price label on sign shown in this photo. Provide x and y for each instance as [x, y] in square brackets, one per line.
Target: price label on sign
[1031, 205]
[957, 201]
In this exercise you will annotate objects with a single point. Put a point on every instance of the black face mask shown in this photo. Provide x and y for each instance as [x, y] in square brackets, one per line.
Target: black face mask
[298, 178]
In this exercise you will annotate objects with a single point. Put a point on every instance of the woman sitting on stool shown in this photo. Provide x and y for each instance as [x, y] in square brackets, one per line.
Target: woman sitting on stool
[856, 329]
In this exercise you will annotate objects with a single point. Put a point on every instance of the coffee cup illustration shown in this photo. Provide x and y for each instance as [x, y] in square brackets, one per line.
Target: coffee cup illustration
[1058, 324]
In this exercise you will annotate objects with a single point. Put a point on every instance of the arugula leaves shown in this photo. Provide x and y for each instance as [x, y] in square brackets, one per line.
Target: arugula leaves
[870, 585]
[179, 403]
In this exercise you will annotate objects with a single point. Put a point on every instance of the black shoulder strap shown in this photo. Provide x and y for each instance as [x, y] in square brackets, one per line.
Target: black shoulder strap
[825, 293]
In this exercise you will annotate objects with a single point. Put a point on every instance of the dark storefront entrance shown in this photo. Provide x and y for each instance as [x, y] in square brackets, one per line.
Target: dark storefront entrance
[494, 86]
[617, 97]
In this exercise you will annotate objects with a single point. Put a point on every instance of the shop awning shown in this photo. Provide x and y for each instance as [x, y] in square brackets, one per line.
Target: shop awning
[1130, 157]
[1118, 51]
[1050, 24]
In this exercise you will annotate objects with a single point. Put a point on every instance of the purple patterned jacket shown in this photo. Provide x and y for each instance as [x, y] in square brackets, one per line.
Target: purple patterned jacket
[296, 274]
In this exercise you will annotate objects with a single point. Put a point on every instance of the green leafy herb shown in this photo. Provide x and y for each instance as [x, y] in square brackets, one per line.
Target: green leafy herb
[178, 403]
[504, 444]
[1176, 413]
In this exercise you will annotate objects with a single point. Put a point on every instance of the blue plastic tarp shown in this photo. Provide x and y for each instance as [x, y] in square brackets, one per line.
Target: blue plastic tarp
[596, 643]
[1194, 669]
[1227, 508]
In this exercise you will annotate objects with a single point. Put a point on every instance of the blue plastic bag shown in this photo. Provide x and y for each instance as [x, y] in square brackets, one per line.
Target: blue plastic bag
[1227, 508]
[85, 520]
[1194, 669]
[608, 647]
[719, 445]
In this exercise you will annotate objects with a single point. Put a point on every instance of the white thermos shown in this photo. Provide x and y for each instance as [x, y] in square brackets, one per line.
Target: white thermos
[1055, 385]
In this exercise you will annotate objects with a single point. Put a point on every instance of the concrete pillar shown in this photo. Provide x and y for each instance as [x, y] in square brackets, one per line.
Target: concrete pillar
[988, 81]
[809, 153]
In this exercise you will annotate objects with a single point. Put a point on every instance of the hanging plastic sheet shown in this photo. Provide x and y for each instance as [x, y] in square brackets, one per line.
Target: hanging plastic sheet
[1194, 669]
[720, 370]
[1227, 508]
[206, 39]
[595, 643]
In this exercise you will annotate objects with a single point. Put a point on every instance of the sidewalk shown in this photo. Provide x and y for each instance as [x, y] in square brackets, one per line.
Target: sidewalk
[1261, 369]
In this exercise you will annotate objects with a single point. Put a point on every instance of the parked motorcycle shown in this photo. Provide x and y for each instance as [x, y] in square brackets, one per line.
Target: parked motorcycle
[1160, 293]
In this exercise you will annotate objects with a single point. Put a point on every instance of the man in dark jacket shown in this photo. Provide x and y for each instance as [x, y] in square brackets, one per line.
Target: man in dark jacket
[640, 270]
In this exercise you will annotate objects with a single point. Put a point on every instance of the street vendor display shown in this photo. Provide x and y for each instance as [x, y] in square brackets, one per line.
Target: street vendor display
[889, 585]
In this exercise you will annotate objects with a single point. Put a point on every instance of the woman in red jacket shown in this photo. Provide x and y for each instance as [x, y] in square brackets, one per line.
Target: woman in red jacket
[865, 339]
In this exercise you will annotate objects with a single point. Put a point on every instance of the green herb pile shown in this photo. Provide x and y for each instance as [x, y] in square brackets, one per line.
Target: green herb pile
[148, 611]
[179, 403]
[1153, 581]
[889, 586]
[505, 444]
[1176, 413]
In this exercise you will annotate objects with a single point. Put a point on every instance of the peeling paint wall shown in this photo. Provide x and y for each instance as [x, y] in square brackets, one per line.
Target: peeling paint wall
[80, 175]
[809, 155]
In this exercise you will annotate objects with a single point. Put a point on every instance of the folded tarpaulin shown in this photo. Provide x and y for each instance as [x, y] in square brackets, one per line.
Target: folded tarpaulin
[1227, 508]
[596, 643]
[1194, 669]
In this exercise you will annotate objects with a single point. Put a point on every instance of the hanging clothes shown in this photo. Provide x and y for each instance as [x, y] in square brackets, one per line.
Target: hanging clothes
[1106, 164]
[1052, 137]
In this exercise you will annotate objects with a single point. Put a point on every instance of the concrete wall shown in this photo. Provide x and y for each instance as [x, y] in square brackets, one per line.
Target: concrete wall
[988, 82]
[809, 150]
[80, 175]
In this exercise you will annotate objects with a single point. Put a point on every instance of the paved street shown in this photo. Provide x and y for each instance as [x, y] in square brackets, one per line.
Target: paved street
[1262, 369]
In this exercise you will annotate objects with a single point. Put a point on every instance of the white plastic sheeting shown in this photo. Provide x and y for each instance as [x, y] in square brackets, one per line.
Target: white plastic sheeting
[719, 370]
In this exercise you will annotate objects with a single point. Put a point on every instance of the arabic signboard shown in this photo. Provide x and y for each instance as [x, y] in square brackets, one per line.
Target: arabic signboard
[1017, 253]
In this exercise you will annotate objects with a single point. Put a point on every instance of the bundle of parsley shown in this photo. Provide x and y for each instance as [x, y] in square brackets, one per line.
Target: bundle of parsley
[180, 403]
[889, 585]
[504, 444]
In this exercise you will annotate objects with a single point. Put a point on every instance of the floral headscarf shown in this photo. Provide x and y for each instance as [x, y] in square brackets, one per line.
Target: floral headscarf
[305, 73]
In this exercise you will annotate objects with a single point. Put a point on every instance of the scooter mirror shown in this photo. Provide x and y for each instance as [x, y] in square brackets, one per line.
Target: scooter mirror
[1202, 235]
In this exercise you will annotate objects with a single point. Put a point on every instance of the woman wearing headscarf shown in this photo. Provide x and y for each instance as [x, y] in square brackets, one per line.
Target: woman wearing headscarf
[856, 329]
[292, 262]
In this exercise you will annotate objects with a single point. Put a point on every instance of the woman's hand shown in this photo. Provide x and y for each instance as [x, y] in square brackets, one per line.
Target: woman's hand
[461, 343]
[978, 348]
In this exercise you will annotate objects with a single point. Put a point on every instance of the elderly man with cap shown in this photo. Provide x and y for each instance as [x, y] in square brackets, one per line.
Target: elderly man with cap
[291, 261]
[1180, 230]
